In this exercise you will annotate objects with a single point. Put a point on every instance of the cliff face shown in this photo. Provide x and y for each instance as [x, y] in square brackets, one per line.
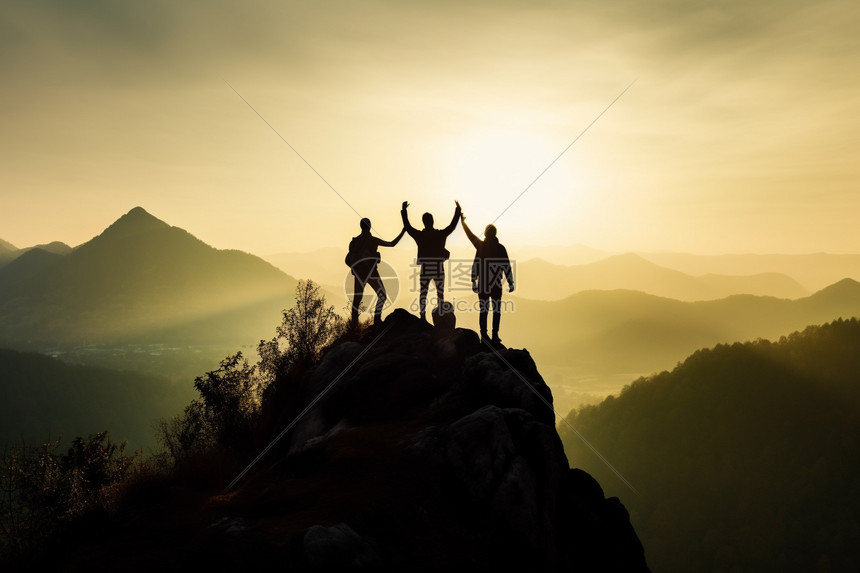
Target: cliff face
[430, 451]
[426, 451]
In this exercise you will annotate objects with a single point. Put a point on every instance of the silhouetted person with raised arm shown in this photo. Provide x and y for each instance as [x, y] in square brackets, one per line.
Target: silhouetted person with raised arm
[363, 258]
[432, 254]
[490, 265]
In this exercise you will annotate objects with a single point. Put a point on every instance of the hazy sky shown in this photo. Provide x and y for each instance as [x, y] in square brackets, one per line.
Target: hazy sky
[741, 133]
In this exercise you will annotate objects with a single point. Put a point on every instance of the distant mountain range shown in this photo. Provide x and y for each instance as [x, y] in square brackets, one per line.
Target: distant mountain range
[616, 332]
[325, 266]
[8, 252]
[561, 254]
[594, 341]
[682, 277]
[143, 281]
[139, 280]
[540, 279]
[814, 271]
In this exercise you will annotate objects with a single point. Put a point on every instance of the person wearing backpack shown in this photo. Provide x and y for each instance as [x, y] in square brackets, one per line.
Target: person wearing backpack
[432, 255]
[363, 258]
[491, 264]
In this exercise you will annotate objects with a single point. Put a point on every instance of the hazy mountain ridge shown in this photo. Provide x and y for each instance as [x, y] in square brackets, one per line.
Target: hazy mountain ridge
[544, 280]
[539, 278]
[42, 399]
[140, 278]
[6, 246]
[627, 331]
[563, 254]
[26, 267]
[11, 253]
[812, 270]
[326, 265]
[745, 455]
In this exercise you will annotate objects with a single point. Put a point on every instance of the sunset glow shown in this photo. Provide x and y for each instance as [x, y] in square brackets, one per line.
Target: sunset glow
[738, 136]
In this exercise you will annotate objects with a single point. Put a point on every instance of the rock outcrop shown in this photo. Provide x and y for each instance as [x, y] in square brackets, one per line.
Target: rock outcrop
[429, 449]
[418, 448]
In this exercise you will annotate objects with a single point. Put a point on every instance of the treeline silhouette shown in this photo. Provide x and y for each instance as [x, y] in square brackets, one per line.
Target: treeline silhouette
[745, 455]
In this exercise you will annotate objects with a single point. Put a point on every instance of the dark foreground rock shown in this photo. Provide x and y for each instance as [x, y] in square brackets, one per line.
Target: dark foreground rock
[427, 452]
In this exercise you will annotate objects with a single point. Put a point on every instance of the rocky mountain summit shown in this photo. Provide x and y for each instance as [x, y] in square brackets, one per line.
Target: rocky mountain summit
[419, 449]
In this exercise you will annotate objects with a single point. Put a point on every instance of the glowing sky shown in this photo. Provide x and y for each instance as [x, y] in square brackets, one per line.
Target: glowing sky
[741, 133]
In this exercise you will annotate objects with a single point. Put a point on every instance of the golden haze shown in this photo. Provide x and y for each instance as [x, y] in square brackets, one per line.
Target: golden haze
[740, 134]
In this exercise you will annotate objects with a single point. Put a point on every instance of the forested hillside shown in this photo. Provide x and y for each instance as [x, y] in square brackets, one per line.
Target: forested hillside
[42, 398]
[745, 456]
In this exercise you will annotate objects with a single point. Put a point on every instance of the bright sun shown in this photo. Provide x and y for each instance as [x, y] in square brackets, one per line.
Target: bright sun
[487, 170]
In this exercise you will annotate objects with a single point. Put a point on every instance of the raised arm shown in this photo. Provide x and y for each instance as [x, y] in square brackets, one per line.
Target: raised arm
[394, 241]
[450, 228]
[472, 237]
[409, 228]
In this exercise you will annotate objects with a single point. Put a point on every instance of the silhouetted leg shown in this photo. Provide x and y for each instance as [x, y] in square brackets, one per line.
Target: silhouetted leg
[375, 283]
[358, 292]
[440, 290]
[497, 316]
[424, 283]
[483, 300]
[496, 297]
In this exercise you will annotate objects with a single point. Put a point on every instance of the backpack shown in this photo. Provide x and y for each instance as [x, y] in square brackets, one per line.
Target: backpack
[352, 255]
[358, 251]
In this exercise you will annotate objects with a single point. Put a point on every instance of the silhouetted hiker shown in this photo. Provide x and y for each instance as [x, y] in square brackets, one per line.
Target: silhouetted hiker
[490, 265]
[432, 255]
[363, 258]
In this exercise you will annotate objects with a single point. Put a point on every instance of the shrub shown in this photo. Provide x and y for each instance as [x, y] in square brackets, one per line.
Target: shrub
[306, 329]
[41, 490]
[232, 396]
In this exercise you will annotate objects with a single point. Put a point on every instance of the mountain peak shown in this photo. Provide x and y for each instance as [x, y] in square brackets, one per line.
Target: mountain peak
[55, 247]
[138, 212]
[845, 287]
[135, 222]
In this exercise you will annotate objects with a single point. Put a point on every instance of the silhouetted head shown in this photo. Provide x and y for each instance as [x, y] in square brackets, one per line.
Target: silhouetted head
[365, 224]
[490, 231]
[428, 220]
